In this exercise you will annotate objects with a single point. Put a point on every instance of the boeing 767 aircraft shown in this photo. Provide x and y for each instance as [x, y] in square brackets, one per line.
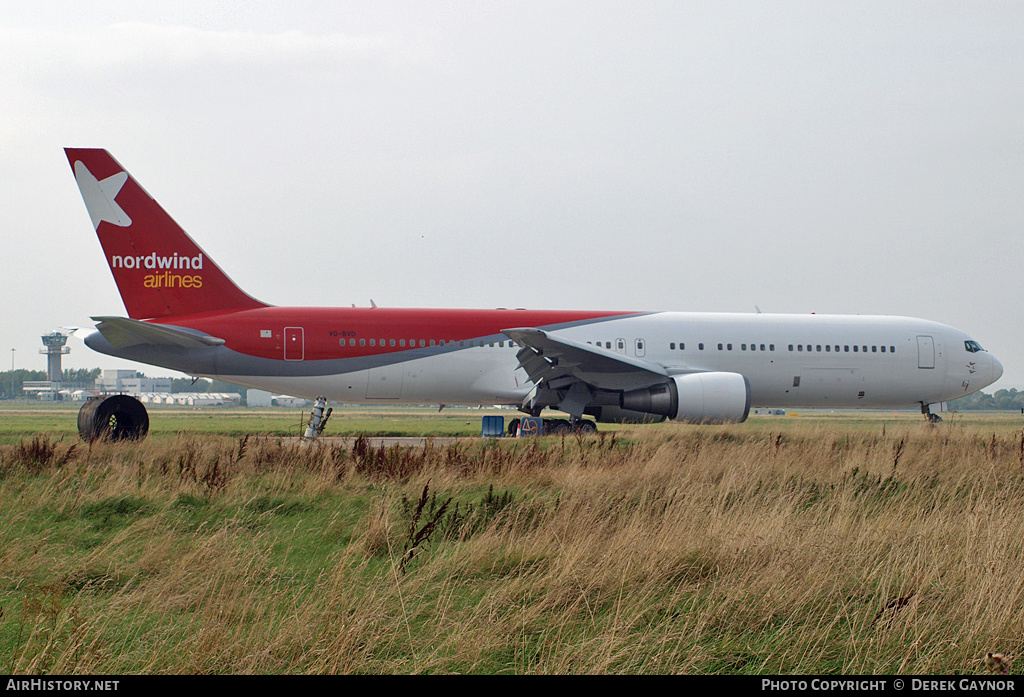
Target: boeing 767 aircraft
[185, 314]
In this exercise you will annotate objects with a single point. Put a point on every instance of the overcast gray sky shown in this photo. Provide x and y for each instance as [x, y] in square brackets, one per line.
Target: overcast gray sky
[831, 157]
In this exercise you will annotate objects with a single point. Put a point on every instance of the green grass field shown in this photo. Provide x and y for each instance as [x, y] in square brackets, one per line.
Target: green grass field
[820, 543]
[20, 420]
[23, 420]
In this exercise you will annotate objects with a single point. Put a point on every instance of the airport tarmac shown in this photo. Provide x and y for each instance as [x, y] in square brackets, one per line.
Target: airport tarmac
[383, 441]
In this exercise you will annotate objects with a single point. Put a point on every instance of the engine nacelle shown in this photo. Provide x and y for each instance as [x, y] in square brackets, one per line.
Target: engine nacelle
[697, 398]
[616, 415]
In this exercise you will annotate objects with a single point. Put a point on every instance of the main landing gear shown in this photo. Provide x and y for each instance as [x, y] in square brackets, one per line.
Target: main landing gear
[118, 417]
[559, 427]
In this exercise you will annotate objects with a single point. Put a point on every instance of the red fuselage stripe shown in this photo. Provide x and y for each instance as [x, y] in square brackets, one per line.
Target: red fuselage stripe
[331, 333]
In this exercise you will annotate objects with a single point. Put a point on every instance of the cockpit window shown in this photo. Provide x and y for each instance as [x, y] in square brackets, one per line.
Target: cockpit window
[972, 346]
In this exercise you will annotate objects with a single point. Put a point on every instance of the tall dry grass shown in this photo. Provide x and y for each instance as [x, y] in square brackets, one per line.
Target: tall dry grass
[771, 547]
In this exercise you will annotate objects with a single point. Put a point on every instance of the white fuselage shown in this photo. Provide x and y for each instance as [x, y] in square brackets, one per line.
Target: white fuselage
[789, 360]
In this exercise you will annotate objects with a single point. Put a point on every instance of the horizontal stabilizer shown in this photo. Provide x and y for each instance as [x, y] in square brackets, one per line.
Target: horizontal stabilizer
[121, 331]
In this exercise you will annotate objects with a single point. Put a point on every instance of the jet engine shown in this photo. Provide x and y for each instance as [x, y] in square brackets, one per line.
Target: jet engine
[615, 415]
[697, 397]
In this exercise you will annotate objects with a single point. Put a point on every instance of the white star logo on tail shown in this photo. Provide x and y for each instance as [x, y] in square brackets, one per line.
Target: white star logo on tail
[99, 196]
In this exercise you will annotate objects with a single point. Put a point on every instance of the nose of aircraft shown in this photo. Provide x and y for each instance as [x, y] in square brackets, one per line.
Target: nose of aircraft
[997, 369]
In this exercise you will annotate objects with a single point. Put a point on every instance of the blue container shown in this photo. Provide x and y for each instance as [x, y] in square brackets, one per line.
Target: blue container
[492, 427]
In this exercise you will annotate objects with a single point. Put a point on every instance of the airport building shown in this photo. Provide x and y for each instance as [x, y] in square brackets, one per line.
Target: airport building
[192, 399]
[130, 382]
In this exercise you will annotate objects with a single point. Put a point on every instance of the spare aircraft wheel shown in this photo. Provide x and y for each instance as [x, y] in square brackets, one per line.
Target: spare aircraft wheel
[119, 417]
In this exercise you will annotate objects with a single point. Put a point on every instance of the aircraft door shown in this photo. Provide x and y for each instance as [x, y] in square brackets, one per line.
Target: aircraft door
[294, 344]
[639, 348]
[925, 352]
[620, 345]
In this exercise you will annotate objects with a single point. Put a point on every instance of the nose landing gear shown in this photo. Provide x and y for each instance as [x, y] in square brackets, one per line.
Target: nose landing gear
[926, 409]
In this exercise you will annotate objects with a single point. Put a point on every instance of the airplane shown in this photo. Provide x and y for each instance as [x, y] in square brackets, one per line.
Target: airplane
[185, 314]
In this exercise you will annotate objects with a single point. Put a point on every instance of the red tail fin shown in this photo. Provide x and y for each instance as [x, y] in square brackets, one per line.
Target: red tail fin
[159, 270]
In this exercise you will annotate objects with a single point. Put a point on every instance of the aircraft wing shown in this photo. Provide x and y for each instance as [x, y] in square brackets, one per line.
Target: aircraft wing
[547, 357]
[121, 331]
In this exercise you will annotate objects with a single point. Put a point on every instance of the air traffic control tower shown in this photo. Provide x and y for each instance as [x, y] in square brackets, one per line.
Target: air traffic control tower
[55, 348]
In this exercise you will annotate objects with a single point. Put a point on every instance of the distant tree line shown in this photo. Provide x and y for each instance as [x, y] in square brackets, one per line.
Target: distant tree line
[88, 376]
[1002, 400]
[79, 375]
[21, 376]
